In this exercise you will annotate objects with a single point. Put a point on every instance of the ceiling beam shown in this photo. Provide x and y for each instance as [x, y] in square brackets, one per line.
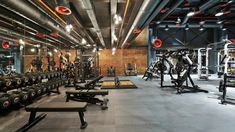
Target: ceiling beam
[90, 11]
[113, 10]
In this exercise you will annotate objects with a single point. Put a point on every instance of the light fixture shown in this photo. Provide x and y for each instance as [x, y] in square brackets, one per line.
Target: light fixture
[49, 53]
[186, 27]
[99, 53]
[117, 19]
[94, 50]
[229, 2]
[219, 22]
[32, 50]
[83, 41]
[201, 28]
[158, 22]
[114, 37]
[100, 49]
[55, 50]
[166, 28]
[68, 28]
[114, 49]
[219, 14]
[202, 22]
[69, 54]
[178, 21]
[224, 29]
[192, 13]
[21, 42]
[88, 45]
[38, 46]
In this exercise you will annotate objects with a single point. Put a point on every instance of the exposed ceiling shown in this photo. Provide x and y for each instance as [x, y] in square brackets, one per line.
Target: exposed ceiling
[93, 20]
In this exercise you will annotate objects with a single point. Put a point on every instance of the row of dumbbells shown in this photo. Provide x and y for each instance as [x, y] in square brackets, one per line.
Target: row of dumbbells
[26, 95]
[22, 80]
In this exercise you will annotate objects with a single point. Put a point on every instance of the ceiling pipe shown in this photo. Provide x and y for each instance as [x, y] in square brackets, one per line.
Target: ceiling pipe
[7, 31]
[113, 10]
[90, 11]
[23, 8]
[172, 8]
[148, 10]
[202, 8]
[195, 25]
[26, 24]
[131, 19]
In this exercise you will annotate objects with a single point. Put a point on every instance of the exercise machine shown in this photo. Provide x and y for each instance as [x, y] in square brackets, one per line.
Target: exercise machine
[202, 69]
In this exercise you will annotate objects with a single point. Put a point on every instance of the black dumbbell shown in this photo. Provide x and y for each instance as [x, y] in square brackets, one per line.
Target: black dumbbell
[31, 92]
[22, 94]
[4, 102]
[14, 98]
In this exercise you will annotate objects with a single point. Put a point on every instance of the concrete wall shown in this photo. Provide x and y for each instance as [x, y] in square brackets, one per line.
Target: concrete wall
[122, 57]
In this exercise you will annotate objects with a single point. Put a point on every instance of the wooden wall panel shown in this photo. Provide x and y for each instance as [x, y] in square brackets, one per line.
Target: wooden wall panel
[122, 57]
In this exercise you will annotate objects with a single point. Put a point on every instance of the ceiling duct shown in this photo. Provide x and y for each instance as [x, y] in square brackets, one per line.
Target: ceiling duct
[202, 8]
[90, 11]
[148, 10]
[23, 8]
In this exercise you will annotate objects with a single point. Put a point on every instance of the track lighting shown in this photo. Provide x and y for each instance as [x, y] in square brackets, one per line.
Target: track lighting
[83, 41]
[68, 28]
[219, 14]
[21, 42]
[192, 13]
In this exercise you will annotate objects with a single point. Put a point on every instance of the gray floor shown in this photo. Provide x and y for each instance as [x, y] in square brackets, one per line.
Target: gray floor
[146, 109]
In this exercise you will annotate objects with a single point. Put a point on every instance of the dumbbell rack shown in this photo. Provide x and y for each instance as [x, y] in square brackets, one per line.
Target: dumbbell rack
[22, 89]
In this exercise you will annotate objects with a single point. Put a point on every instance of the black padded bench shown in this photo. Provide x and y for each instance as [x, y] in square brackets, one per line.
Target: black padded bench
[88, 95]
[79, 107]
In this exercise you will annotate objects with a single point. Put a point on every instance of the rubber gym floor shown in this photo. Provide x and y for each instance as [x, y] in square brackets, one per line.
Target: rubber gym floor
[146, 109]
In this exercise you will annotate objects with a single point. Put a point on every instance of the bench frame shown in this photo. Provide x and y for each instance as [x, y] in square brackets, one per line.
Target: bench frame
[33, 119]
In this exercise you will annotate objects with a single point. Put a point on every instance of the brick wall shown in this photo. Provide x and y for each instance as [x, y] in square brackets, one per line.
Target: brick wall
[122, 57]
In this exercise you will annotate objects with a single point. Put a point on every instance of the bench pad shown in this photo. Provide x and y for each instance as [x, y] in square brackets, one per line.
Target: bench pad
[58, 107]
[93, 92]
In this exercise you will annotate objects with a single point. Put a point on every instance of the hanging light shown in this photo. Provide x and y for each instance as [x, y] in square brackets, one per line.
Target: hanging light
[21, 42]
[201, 28]
[219, 22]
[186, 27]
[32, 50]
[83, 41]
[219, 14]
[166, 28]
[55, 50]
[68, 28]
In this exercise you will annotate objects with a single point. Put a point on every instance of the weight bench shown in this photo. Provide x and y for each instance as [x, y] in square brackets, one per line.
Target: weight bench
[85, 92]
[79, 107]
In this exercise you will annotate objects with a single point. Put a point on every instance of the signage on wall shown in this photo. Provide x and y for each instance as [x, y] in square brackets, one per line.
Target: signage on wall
[157, 43]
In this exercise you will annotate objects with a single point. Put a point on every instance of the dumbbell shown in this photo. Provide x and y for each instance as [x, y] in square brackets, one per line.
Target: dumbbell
[14, 98]
[31, 92]
[37, 89]
[22, 94]
[4, 102]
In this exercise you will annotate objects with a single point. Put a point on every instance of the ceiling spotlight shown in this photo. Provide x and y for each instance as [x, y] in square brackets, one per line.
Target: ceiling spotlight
[224, 29]
[186, 27]
[178, 21]
[202, 22]
[229, 2]
[83, 41]
[32, 50]
[49, 53]
[88, 45]
[192, 13]
[55, 50]
[21, 42]
[201, 28]
[166, 28]
[68, 28]
[219, 14]
[158, 22]
[117, 19]
[114, 49]
[219, 22]
[114, 37]
[94, 50]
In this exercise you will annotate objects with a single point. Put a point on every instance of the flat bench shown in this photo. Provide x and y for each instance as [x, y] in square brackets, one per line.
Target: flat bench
[88, 95]
[79, 107]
